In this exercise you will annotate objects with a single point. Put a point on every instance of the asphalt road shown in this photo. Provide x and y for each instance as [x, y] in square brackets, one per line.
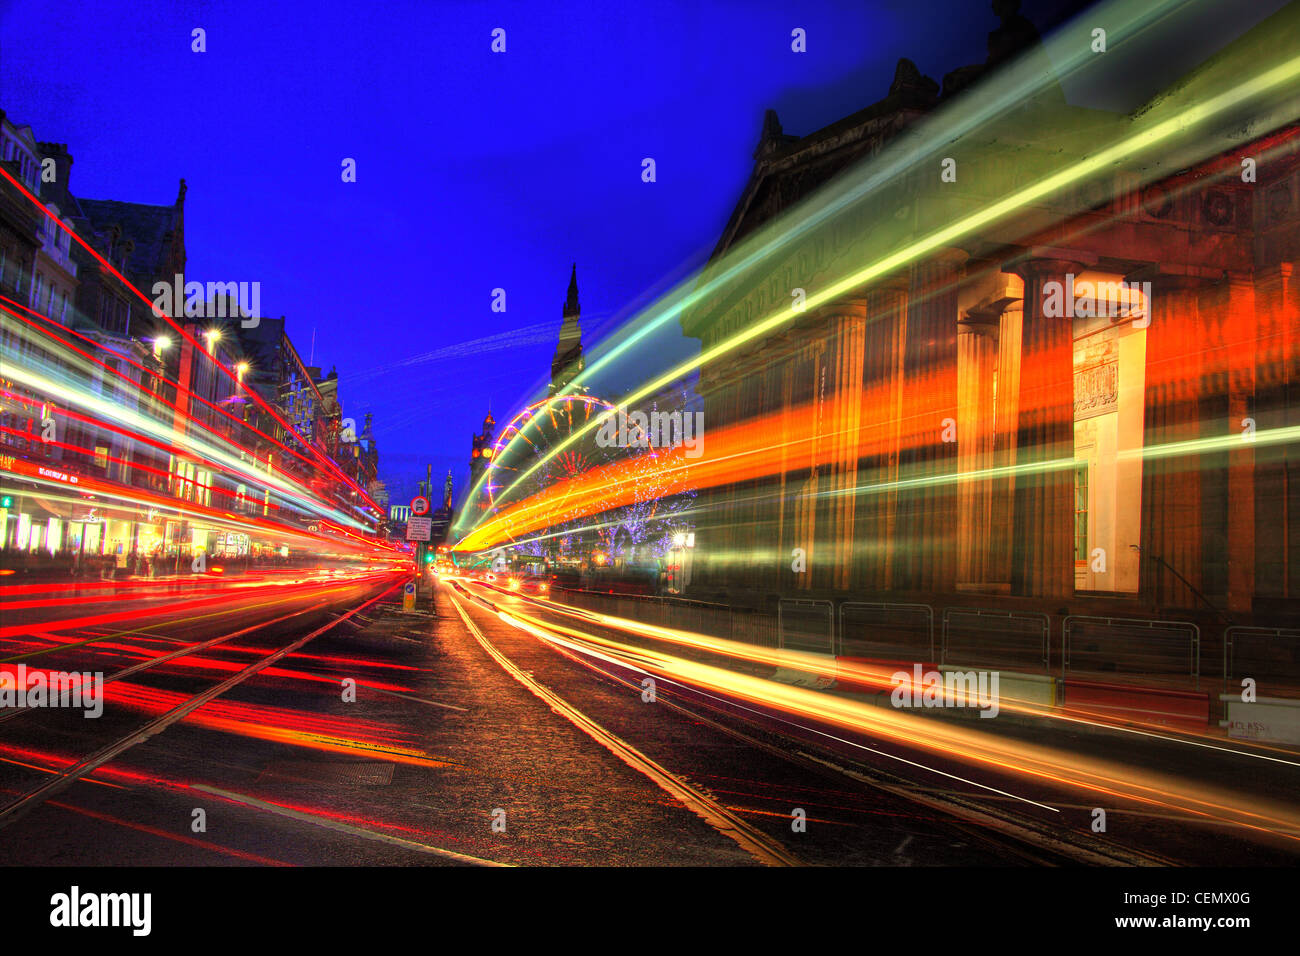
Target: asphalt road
[464, 740]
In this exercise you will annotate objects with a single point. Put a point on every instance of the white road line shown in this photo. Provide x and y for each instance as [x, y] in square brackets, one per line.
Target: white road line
[422, 700]
[344, 827]
[69, 775]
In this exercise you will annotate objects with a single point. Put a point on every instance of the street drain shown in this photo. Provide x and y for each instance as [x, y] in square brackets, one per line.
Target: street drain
[362, 774]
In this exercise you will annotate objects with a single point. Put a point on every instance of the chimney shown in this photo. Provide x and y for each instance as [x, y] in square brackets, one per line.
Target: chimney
[62, 170]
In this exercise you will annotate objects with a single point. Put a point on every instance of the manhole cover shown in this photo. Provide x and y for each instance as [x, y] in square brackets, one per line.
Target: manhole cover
[315, 772]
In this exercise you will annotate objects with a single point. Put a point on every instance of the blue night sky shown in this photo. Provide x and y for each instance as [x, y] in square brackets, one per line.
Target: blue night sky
[475, 170]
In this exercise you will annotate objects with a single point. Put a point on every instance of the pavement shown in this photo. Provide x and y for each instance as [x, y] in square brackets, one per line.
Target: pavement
[442, 758]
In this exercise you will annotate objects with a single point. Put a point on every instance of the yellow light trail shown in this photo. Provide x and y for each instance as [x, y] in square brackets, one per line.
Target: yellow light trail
[1128, 149]
[978, 748]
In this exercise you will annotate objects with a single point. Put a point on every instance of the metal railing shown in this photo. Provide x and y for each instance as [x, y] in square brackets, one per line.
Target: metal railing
[979, 637]
[800, 625]
[1119, 646]
[899, 630]
[665, 611]
[1271, 653]
[754, 627]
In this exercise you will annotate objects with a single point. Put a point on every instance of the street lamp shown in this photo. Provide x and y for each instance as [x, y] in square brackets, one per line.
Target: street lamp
[161, 343]
[212, 335]
[240, 369]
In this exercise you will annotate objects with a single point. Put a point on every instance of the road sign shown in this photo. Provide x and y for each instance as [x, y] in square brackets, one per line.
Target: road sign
[420, 506]
[419, 529]
[408, 596]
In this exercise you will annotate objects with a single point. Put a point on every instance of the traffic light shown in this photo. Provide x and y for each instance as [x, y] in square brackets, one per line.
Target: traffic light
[6, 501]
[428, 557]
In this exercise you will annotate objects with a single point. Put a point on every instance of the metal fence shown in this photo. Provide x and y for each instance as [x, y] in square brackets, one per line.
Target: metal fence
[1269, 655]
[754, 627]
[701, 617]
[889, 631]
[1116, 646]
[978, 637]
[804, 625]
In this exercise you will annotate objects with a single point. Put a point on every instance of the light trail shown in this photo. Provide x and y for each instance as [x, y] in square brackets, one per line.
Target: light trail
[753, 841]
[1185, 123]
[882, 678]
[1057, 768]
[745, 452]
[101, 408]
[330, 466]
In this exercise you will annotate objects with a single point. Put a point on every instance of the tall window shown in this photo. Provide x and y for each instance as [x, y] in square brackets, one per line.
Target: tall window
[1081, 512]
[1109, 408]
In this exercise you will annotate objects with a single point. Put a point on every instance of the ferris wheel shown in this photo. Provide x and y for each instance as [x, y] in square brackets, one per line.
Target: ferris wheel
[525, 460]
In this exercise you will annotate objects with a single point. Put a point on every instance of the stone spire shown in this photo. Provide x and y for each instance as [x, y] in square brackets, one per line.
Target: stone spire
[571, 307]
[568, 362]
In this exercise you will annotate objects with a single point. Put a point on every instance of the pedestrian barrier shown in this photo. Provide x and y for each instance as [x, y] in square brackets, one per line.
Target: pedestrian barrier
[876, 640]
[683, 614]
[1117, 646]
[804, 625]
[809, 627]
[753, 627]
[881, 631]
[1267, 707]
[979, 637]
[1160, 655]
[1270, 655]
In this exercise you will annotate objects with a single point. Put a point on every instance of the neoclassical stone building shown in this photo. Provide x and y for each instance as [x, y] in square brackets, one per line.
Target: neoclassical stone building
[1088, 401]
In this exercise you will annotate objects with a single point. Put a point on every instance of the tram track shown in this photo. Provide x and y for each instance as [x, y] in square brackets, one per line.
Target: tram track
[999, 829]
[60, 780]
[758, 844]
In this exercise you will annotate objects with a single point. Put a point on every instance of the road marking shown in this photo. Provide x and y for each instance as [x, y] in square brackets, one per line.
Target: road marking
[69, 775]
[422, 700]
[9, 714]
[144, 631]
[345, 827]
[398, 637]
[760, 846]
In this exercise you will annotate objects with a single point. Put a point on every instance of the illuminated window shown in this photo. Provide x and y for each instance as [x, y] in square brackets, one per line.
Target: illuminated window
[1081, 512]
[1109, 411]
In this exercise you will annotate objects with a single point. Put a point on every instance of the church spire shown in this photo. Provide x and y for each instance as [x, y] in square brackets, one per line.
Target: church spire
[568, 362]
[571, 307]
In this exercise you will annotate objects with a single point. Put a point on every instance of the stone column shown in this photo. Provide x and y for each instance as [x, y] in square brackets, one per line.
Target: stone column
[1006, 429]
[884, 333]
[927, 509]
[976, 362]
[1237, 324]
[1171, 484]
[844, 420]
[1277, 468]
[1042, 562]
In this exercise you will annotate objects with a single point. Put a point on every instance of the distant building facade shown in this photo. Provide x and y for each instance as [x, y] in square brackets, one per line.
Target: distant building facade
[1060, 486]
